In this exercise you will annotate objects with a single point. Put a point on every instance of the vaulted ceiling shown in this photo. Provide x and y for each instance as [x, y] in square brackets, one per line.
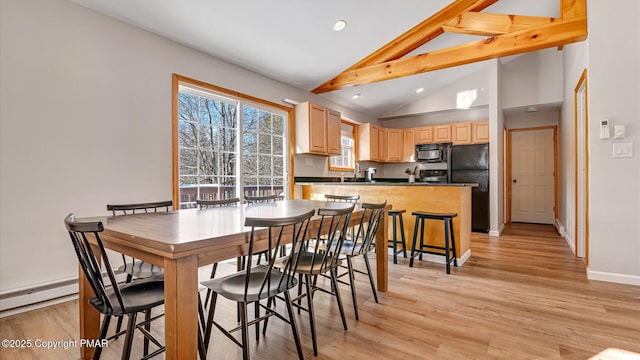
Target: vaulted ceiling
[292, 41]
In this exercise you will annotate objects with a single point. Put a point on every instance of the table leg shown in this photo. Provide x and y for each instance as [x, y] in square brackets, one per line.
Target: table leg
[382, 255]
[181, 308]
[89, 317]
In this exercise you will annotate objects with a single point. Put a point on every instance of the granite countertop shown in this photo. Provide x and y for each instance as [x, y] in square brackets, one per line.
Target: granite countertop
[386, 183]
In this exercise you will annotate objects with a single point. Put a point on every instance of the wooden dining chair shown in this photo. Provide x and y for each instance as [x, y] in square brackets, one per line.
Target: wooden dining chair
[360, 245]
[111, 298]
[257, 284]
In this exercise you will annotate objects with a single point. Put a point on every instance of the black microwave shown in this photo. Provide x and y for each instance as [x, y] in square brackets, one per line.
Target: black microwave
[433, 153]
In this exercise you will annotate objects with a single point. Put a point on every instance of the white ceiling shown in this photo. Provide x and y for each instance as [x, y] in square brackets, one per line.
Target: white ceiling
[292, 40]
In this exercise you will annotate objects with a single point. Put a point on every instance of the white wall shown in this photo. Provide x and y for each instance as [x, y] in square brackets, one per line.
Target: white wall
[523, 119]
[85, 120]
[614, 184]
[532, 78]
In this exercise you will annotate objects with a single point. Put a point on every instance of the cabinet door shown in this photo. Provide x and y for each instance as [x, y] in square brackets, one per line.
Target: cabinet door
[424, 135]
[368, 142]
[394, 145]
[334, 142]
[409, 149]
[317, 128]
[461, 133]
[441, 133]
[374, 144]
[480, 132]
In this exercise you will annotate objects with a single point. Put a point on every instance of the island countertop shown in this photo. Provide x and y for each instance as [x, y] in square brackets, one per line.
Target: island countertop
[387, 183]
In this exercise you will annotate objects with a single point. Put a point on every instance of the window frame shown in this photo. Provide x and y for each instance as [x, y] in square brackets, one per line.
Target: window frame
[178, 80]
[355, 147]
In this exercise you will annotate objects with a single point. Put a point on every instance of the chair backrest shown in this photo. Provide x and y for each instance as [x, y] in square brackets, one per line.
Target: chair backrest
[249, 199]
[90, 261]
[294, 226]
[217, 203]
[322, 255]
[141, 207]
[342, 198]
[366, 229]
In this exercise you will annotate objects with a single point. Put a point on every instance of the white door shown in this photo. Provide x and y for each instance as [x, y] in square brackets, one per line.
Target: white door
[532, 176]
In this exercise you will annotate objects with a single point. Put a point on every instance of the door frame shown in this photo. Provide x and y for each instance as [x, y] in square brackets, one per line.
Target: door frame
[582, 83]
[555, 168]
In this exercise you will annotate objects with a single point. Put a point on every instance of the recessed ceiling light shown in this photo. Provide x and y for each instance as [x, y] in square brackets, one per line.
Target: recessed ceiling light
[355, 96]
[419, 90]
[339, 25]
[531, 109]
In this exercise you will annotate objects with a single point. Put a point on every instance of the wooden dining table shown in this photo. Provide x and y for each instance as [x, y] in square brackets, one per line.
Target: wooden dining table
[180, 241]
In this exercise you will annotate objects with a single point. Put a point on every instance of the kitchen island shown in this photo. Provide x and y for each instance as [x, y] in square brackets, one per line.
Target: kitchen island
[418, 196]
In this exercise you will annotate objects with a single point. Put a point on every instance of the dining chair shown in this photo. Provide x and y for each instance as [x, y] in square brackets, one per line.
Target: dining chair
[317, 258]
[111, 298]
[344, 198]
[360, 245]
[132, 266]
[262, 282]
[251, 199]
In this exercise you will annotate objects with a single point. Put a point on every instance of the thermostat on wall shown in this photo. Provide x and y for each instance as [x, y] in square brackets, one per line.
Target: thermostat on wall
[604, 129]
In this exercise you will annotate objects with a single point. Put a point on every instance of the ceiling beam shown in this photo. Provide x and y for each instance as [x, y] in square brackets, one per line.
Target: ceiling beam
[554, 34]
[421, 33]
[485, 24]
[571, 9]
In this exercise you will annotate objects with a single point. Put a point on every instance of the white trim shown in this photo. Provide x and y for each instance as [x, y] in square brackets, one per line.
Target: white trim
[498, 232]
[613, 277]
[559, 227]
[29, 307]
[439, 259]
[571, 243]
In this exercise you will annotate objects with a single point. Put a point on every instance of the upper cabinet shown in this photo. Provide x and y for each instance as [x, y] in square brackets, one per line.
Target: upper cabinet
[369, 139]
[424, 135]
[461, 133]
[394, 145]
[409, 150]
[441, 133]
[317, 129]
[480, 132]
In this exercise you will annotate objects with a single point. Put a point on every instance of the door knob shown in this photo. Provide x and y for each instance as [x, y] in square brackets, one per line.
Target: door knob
[515, 181]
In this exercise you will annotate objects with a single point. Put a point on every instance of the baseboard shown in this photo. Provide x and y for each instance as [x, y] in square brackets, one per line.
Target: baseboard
[613, 277]
[559, 227]
[439, 259]
[570, 242]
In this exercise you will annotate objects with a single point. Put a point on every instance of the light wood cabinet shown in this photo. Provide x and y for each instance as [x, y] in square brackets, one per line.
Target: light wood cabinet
[369, 142]
[409, 148]
[480, 132]
[334, 140]
[424, 135]
[394, 145]
[461, 133]
[314, 126]
[441, 133]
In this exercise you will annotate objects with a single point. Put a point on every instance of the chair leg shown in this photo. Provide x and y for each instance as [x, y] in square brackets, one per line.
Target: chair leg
[447, 253]
[245, 331]
[413, 243]
[353, 286]
[213, 274]
[453, 243]
[212, 309]
[257, 315]
[404, 244]
[292, 322]
[395, 242]
[103, 334]
[147, 326]
[334, 285]
[312, 320]
[421, 238]
[373, 286]
[119, 325]
[128, 340]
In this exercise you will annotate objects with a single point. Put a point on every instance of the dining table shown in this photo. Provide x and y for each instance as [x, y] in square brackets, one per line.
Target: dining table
[181, 241]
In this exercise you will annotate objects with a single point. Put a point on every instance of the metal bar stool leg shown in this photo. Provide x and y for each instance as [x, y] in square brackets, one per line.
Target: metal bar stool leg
[413, 243]
[404, 244]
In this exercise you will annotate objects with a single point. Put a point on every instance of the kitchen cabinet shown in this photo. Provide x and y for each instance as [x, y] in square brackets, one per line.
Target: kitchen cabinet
[461, 133]
[480, 132]
[314, 126]
[394, 145]
[424, 135]
[441, 133]
[409, 149]
[369, 140]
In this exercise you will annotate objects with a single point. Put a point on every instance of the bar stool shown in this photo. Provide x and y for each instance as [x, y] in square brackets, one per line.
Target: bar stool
[397, 215]
[447, 220]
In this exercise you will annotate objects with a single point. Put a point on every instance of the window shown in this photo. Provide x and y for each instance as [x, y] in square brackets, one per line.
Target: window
[211, 125]
[346, 160]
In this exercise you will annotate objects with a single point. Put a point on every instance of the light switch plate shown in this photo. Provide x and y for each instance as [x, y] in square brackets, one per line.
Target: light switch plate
[623, 150]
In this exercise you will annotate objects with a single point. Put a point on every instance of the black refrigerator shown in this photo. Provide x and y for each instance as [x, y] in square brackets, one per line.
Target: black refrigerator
[470, 164]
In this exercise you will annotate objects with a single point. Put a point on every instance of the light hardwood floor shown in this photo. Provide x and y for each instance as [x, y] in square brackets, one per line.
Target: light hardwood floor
[521, 296]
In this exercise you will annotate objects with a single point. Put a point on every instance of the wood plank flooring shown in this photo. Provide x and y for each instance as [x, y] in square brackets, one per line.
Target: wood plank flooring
[521, 296]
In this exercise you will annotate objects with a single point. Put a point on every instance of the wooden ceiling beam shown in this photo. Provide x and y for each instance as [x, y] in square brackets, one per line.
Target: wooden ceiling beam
[554, 34]
[421, 33]
[571, 9]
[485, 24]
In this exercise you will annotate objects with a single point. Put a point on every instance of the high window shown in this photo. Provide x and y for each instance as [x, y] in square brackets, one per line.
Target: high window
[226, 146]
